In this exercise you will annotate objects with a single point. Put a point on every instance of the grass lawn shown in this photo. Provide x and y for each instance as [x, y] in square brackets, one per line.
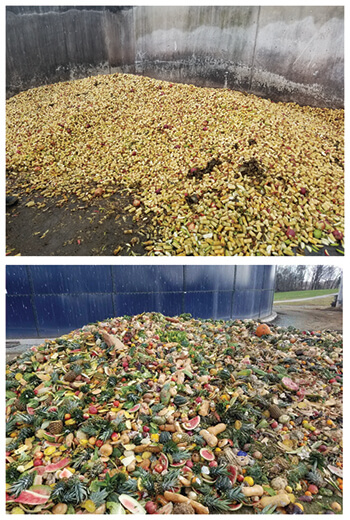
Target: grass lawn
[294, 295]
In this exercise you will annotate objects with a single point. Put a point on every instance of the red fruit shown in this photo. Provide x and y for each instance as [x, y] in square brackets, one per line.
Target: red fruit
[290, 233]
[146, 429]
[114, 436]
[158, 468]
[213, 464]
[93, 410]
[86, 415]
[116, 403]
[99, 443]
[313, 489]
[338, 235]
[274, 424]
[198, 399]
[240, 478]
[38, 462]
[189, 464]
[332, 380]
[151, 507]
[322, 448]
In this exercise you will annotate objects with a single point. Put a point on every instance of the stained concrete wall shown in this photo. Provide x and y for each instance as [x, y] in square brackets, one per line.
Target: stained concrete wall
[286, 53]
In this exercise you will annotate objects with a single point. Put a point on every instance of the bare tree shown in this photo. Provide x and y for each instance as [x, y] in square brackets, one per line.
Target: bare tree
[303, 277]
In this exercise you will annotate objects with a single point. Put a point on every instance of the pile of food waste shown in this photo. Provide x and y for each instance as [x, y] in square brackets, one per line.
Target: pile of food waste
[216, 171]
[176, 415]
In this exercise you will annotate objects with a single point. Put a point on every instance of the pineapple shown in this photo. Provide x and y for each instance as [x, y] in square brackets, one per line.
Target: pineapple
[314, 476]
[20, 405]
[223, 483]
[158, 485]
[55, 427]
[275, 411]
[48, 401]
[73, 372]
[95, 469]
[181, 438]
[70, 376]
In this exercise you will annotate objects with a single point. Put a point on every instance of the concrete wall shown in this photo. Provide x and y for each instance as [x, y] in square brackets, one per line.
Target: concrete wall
[286, 53]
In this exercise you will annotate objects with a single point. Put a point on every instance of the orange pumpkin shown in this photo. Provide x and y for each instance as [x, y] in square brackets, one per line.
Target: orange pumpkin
[262, 329]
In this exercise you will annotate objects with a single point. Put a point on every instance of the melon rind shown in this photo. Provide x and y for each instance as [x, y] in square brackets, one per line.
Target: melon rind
[131, 505]
[50, 468]
[134, 408]
[206, 454]
[179, 464]
[163, 459]
[192, 424]
[289, 384]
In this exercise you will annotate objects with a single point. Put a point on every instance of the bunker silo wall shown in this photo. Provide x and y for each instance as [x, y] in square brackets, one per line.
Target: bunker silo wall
[47, 301]
[285, 53]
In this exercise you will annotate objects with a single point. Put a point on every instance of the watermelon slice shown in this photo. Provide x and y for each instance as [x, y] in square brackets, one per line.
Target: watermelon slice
[48, 437]
[131, 505]
[50, 468]
[233, 473]
[178, 464]
[207, 454]
[35, 495]
[65, 473]
[163, 460]
[192, 424]
[134, 408]
[235, 507]
[289, 384]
